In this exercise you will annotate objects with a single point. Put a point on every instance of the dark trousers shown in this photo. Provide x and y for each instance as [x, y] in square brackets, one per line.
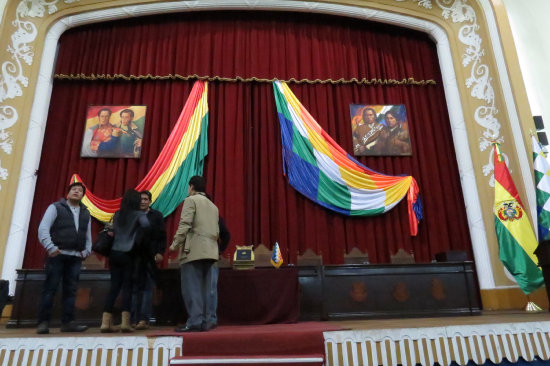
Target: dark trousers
[211, 317]
[142, 292]
[65, 268]
[121, 265]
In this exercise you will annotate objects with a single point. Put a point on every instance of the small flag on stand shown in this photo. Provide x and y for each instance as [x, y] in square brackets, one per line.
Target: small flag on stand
[276, 257]
[516, 238]
[542, 182]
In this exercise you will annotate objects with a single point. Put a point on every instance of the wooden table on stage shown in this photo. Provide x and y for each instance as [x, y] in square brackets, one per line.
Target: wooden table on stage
[268, 295]
[258, 296]
[252, 296]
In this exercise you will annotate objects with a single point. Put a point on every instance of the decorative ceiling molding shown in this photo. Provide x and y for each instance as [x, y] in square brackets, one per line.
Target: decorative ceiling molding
[425, 3]
[12, 78]
[480, 80]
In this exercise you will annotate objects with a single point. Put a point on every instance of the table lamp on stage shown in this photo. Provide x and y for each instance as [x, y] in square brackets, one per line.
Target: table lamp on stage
[243, 258]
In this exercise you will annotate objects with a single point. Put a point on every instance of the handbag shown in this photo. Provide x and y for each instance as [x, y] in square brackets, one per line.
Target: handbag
[104, 242]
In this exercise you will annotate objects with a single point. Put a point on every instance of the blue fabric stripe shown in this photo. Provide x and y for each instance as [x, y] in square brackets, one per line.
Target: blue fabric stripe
[286, 131]
[303, 176]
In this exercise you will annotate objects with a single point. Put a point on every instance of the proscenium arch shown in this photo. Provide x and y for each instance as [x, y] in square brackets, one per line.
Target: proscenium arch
[14, 252]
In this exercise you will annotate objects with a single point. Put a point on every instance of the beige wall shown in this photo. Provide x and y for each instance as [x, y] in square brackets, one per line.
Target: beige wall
[531, 32]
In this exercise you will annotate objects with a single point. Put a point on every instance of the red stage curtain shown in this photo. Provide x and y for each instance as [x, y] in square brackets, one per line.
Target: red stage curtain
[243, 167]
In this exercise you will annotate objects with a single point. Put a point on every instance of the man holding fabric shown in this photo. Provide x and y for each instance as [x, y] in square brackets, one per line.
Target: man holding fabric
[197, 241]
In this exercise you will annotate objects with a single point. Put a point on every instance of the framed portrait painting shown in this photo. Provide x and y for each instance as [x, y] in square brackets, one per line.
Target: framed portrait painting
[380, 130]
[113, 131]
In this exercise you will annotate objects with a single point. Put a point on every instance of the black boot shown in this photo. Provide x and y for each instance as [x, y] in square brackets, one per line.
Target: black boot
[43, 328]
[73, 328]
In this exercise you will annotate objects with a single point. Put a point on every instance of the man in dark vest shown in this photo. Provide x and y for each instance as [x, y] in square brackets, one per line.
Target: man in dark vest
[65, 234]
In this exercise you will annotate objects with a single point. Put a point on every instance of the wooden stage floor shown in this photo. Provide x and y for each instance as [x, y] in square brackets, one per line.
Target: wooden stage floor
[491, 336]
[486, 318]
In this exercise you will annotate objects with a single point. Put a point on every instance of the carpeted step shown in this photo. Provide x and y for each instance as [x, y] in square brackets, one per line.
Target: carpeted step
[259, 360]
[298, 339]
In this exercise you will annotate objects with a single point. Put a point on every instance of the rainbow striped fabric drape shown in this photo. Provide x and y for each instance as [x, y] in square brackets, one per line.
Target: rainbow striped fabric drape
[320, 169]
[181, 158]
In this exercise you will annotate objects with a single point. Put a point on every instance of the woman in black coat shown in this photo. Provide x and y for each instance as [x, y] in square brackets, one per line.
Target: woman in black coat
[130, 224]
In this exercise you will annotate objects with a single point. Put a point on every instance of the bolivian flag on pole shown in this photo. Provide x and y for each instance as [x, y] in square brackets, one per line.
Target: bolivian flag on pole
[516, 238]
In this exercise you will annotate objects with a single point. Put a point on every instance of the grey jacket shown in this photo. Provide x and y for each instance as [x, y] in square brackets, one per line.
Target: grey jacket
[126, 234]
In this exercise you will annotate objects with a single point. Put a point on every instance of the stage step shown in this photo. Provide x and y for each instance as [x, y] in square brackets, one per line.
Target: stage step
[266, 360]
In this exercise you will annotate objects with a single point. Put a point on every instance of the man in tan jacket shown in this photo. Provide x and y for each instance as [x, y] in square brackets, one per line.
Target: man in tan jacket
[197, 241]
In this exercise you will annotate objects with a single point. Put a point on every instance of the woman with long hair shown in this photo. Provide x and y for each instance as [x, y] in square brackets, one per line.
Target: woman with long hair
[129, 226]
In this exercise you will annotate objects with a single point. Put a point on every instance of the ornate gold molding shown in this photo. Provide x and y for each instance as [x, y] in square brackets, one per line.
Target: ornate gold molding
[479, 80]
[13, 70]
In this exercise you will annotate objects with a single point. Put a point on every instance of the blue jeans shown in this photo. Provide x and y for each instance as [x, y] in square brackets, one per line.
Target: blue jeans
[65, 268]
[142, 297]
[197, 292]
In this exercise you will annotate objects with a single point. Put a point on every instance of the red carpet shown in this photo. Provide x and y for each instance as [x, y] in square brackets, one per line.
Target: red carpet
[255, 340]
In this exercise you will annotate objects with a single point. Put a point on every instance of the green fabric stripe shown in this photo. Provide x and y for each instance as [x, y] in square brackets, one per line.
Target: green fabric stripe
[302, 147]
[538, 176]
[527, 274]
[373, 212]
[175, 191]
[542, 196]
[332, 192]
[280, 102]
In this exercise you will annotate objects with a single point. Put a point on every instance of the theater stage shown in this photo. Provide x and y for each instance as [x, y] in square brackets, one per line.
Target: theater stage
[493, 336]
